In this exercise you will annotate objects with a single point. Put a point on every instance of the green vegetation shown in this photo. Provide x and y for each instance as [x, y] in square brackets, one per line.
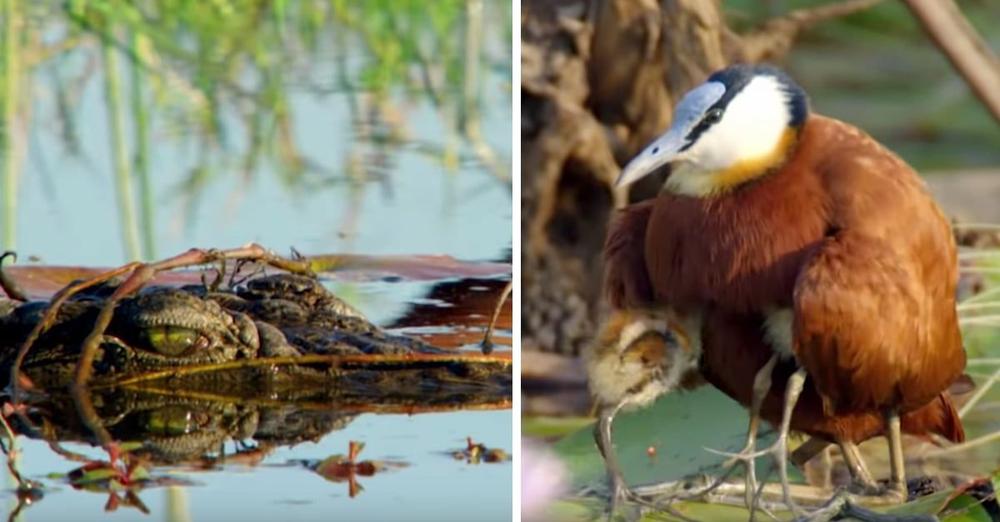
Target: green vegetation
[220, 76]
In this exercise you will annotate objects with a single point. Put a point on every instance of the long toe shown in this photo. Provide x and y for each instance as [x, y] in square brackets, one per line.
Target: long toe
[620, 495]
[744, 455]
[781, 461]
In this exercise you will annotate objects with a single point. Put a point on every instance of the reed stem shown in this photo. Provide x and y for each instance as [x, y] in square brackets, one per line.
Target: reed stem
[123, 180]
[140, 163]
[10, 71]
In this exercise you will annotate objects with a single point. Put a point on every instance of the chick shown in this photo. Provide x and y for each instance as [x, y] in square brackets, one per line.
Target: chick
[638, 356]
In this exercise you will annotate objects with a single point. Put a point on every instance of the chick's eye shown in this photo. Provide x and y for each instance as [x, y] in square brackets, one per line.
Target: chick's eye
[174, 341]
[713, 116]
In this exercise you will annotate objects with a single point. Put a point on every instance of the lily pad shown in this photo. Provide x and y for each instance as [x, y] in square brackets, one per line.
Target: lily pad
[678, 427]
[664, 442]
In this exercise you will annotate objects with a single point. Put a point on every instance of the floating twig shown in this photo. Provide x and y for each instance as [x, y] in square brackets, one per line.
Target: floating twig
[487, 344]
[8, 285]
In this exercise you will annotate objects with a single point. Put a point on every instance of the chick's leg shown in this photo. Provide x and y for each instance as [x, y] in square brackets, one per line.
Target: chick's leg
[602, 435]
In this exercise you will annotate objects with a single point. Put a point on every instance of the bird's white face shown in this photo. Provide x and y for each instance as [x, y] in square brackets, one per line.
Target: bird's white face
[718, 141]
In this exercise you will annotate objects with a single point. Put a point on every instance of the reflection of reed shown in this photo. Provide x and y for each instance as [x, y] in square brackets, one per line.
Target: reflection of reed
[196, 72]
[123, 178]
[177, 504]
[140, 126]
[469, 117]
[11, 72]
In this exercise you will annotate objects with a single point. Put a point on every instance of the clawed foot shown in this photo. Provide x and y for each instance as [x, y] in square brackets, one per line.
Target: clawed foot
[779, 451]
[620, 496]
[879, 494]
[747, 457]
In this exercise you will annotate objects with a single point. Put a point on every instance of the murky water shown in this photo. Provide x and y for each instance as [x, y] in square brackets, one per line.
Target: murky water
[415, 202]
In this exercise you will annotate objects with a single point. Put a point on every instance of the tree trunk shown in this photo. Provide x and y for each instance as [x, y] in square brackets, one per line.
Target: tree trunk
[598, 81]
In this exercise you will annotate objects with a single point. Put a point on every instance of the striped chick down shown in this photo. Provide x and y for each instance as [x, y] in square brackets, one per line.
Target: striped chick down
[641, 354]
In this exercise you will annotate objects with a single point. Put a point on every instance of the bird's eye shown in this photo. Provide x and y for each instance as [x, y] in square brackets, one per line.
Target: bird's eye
[174, 341]
[713, 116]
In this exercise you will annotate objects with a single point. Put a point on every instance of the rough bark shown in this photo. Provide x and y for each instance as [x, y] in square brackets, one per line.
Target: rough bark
[598, 81]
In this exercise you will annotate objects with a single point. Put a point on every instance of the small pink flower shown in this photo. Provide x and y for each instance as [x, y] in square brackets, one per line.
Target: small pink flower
[544, 479]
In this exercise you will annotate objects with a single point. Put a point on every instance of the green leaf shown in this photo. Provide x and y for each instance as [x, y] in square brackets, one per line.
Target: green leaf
[95, 475]
[678, 427]
[552, 426]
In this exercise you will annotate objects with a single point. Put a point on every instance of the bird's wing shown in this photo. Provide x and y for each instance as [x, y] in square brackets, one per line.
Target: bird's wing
[875, 321]
[626, 281]
[858, 311]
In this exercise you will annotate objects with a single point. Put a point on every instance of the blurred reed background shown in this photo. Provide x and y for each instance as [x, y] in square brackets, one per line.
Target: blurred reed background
[222, 82]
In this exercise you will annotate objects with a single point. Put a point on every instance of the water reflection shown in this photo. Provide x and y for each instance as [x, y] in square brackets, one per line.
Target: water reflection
[377, 127]
[282, 478]
[169, 432]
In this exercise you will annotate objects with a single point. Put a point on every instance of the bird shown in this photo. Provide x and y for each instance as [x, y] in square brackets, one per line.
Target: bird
[641, 354]
[808, 224]
[637, 356]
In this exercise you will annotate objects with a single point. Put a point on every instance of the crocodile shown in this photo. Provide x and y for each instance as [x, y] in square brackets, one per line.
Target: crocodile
[281, 317]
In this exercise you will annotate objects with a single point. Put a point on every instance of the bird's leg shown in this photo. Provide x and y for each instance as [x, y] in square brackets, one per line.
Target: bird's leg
[856, 465]
[761, 386]
[780, 447]
[792, 391]
[602, 435]
[897, 478]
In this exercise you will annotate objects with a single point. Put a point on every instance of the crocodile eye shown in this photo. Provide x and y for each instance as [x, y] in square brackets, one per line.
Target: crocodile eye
[174, 341]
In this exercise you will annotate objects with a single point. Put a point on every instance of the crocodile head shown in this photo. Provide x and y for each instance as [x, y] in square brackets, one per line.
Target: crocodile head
[164, 328]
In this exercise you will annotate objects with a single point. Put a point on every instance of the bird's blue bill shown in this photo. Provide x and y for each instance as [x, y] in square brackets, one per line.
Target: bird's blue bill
[668, 147]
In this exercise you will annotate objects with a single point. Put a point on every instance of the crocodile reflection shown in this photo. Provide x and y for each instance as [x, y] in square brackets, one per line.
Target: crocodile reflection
[166, 429]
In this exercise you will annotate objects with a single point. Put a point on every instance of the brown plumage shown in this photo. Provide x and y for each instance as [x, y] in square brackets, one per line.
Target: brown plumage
[626, 282]
[846, 234]
[732, 352]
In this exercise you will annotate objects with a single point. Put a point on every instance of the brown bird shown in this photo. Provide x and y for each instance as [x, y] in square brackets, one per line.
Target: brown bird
[811, 225]
[638, 356]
